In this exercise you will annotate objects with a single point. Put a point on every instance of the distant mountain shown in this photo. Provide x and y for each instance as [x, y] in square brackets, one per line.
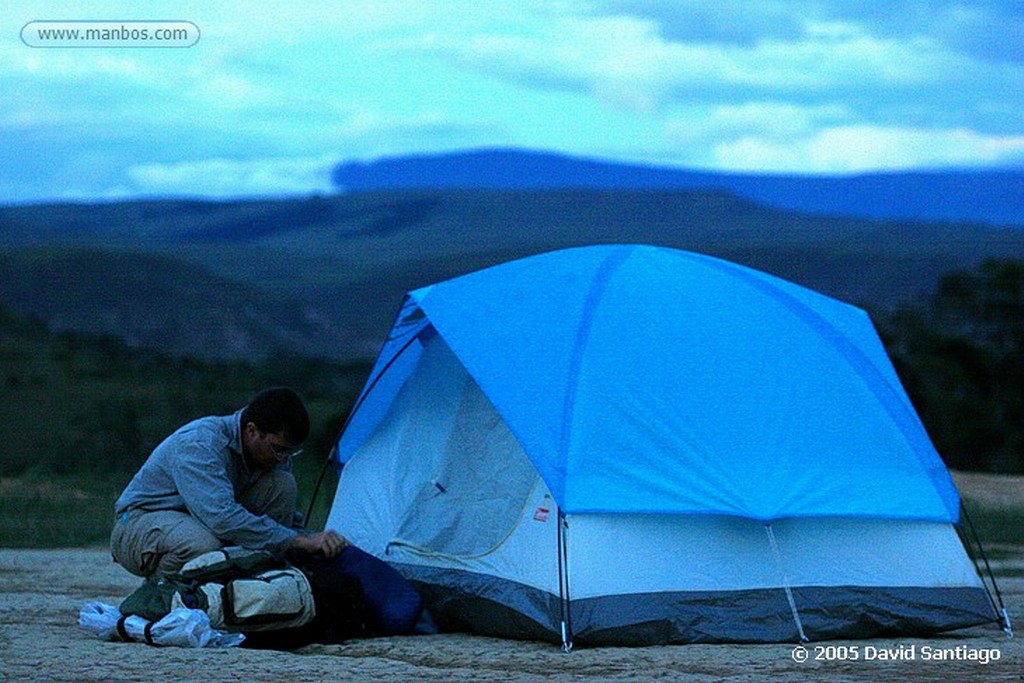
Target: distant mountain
[995, 197]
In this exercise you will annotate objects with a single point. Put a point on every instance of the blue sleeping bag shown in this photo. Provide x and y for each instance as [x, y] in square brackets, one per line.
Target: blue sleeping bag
[393, 607]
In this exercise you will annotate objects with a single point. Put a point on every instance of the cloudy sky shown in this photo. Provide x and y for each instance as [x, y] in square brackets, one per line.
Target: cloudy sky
[274, 93]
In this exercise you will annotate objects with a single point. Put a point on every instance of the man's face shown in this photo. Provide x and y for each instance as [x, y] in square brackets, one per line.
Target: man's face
[266, 450]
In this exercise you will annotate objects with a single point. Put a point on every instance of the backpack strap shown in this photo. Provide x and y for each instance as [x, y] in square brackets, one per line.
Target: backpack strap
[148, 632]
[228, 563]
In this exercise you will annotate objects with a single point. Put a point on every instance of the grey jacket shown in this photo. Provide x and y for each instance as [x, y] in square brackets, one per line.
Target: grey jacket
[199, 469]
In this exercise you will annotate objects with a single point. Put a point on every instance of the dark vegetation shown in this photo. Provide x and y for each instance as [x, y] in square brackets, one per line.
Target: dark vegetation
[78, 404]
[960, 355]
[81, 413]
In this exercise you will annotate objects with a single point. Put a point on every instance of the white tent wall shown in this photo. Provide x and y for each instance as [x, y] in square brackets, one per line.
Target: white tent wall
[443, 490]
[714, 552]
[714, 578]
[457, 480]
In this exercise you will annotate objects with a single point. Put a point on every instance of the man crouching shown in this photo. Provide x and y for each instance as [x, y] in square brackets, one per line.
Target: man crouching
[218, 481]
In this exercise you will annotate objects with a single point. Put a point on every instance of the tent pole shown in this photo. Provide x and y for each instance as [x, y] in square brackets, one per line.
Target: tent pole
[316, 487]
[331, 455]
[563, 582]
[997, 602]
[785, 582]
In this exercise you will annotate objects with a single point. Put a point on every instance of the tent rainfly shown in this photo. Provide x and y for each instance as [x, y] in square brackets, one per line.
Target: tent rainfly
[628, 444]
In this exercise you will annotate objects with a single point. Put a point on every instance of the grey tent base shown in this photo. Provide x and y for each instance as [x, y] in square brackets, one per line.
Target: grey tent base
[465, 601]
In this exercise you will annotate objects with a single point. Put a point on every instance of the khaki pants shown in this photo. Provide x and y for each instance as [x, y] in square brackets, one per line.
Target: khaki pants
[159, 542]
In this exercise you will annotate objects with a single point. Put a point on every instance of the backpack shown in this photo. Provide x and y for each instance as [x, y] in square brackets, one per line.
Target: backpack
[357, 595]
[284, 604]
[240, 590]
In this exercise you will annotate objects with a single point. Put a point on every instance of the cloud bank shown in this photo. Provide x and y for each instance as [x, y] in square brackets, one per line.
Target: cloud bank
[272, 95]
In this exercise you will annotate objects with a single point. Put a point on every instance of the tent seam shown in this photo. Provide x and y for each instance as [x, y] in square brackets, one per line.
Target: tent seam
[598, 286]
[902, 416]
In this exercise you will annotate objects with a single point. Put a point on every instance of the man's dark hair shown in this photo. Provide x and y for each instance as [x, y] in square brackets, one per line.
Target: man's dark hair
[278, 409]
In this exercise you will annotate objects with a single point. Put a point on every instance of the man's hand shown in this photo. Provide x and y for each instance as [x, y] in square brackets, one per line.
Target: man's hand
[329, 543]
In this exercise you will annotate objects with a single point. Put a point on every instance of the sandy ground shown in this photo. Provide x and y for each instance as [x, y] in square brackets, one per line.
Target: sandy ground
[42, 592]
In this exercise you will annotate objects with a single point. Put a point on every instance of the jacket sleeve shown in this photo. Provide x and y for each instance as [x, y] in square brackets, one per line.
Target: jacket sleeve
[201, 476]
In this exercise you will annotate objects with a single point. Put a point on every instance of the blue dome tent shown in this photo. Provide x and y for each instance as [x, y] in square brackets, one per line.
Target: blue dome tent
[629, 444]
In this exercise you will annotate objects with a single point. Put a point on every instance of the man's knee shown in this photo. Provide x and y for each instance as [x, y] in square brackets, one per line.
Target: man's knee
[275, 494]
[158, 543]
[186, 540]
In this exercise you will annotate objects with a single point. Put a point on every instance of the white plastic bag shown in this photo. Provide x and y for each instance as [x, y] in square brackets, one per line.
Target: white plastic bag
[101, 619]
[182, 627]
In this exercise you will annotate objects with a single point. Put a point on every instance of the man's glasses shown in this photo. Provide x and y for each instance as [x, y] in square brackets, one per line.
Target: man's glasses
[282, 452]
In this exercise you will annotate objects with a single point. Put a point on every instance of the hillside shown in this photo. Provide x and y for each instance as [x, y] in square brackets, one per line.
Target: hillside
[325, 275]
[990, 196]
[160, 302]
[92, 406]
[328, 282]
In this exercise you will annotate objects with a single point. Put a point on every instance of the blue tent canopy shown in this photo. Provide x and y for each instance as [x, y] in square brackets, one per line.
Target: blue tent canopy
[652, 380]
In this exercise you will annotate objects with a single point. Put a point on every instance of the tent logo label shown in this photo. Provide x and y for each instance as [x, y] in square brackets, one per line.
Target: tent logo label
[541, 515]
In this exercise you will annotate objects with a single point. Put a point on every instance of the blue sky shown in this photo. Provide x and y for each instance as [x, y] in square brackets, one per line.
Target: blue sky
[275, 93]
